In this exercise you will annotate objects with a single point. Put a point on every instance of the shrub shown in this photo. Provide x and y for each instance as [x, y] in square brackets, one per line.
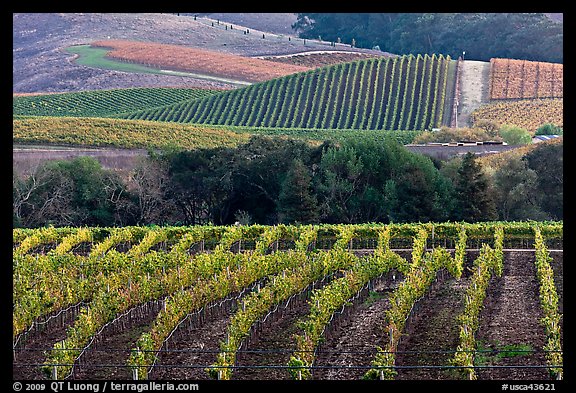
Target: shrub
[447, 134]
[490, 126]
[549, 129]
[514, 135]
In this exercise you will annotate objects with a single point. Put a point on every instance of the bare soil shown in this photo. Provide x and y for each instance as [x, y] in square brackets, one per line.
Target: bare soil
[32, 349]
[432, 333]
[474, 89]
[272, 343]
[196, 346]
[352, 338]
[511, 317]
[113, 350]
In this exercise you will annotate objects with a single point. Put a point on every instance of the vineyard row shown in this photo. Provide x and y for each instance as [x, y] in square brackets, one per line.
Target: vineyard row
[112, 282]
[398, 93]
[524, 79]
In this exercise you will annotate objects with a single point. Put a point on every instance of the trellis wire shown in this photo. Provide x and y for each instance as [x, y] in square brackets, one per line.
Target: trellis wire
[218, 303]
[285, 350]
[24, 335]
[314, 367]
[154, 303]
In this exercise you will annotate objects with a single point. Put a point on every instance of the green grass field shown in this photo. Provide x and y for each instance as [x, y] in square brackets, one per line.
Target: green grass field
[96, 57]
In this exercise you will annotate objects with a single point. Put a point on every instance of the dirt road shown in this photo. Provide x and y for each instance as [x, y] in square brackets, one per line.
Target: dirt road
[474, 85]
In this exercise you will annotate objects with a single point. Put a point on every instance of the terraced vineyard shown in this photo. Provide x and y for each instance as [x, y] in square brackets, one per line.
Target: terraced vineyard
[218, 302]
[398, 93]
[102, 103]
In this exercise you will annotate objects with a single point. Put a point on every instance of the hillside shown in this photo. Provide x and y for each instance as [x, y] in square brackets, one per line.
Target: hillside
[119, 133]
[195, 60]
[528, 114]
[523, 79]
[400, 93]
[277, 23]
[40, 63]
[101, 103]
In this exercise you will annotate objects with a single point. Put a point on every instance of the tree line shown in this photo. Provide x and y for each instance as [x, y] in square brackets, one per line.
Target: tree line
[276, 180]
[527, 36]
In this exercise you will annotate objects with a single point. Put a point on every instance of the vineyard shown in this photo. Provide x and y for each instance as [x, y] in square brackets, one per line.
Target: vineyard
[127, 134]
[102, 103]
[195, 60]
[143, 134]
[528, 114]
[523, 79]
[397, 93]
[314, 60]
[363, 301]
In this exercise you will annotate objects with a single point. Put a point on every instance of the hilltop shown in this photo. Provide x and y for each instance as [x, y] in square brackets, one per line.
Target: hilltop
[41, 64]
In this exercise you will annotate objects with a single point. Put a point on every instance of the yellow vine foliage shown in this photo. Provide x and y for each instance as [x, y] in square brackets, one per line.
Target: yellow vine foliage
[528, 114]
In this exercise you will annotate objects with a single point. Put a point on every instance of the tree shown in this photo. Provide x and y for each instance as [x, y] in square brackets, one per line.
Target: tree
[547, 160]
[341, 170]
[147, 184]
[40, 198]
[530, 36]
[473, 199]
[195, 185]
[69, 193]
[516, 191]
[549, 129]
[296, 203]
[259, 168]
[514, 135]
[415, 196]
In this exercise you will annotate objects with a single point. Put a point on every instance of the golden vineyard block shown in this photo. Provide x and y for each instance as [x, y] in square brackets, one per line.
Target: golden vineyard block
[516, 79]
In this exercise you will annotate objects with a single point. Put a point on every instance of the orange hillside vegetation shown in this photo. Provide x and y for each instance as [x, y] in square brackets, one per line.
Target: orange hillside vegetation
[511, 78]
[183, 58]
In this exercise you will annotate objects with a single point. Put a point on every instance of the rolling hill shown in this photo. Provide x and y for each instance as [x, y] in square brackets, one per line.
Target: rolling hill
[41, 64]
[102, 103]
[399, 93]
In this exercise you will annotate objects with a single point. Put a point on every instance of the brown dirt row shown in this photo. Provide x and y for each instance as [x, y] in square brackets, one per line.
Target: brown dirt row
[119, 343]
[352, 338]
[197, 344]
[34, 345]
[433, 327]
[276, 333]
[511, 317]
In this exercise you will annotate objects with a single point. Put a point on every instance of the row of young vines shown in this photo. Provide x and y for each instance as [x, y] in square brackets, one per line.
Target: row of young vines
[187, 269]
[397, 93]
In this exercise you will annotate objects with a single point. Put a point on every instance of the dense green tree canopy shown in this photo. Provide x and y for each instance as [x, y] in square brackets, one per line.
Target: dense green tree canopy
[529, 36]
[275, 180]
